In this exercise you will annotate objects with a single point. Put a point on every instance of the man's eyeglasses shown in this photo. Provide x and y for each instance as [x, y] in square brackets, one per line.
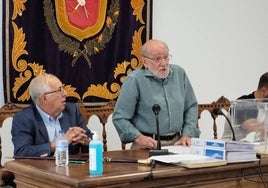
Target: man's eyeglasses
[160, 59]
[59, 90]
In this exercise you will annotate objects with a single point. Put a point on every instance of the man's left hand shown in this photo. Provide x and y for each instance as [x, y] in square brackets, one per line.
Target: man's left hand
[184, 141]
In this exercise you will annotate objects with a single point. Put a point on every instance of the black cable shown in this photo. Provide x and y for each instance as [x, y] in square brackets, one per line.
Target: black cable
[260, 174]
[262, 177]
[218, 111]
[151, 176]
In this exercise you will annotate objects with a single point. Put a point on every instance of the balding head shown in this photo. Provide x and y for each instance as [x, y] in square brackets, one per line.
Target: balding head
[153, 45]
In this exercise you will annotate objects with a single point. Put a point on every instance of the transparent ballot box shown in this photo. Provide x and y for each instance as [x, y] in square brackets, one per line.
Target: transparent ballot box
[249, 119]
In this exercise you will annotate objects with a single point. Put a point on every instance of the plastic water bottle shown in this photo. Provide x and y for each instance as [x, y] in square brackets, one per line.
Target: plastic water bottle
[62, 150]
[95, 155]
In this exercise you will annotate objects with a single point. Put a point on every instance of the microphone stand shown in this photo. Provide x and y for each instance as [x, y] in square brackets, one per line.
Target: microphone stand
[157, 127]
[158, 151]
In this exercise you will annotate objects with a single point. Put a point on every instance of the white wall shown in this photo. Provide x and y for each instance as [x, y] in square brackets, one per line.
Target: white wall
[222, 44]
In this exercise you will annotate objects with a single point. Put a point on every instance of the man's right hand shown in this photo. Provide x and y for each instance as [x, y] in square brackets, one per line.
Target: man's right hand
[146, 142]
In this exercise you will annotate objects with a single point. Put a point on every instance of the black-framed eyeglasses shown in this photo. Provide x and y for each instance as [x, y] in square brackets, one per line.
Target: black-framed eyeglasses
[160, 59]
[59, 90]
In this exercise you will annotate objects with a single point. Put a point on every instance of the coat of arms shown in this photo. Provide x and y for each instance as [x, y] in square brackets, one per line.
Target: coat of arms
[81, 27]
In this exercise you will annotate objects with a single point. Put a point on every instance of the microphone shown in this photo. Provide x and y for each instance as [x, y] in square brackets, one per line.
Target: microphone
[156, 109]
[218, 111]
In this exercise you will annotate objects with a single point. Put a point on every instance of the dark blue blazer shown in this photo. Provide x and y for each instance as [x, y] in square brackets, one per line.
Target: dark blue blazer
[29, 134]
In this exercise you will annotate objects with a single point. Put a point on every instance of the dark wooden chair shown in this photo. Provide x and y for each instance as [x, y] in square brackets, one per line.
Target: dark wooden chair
[102, 111]
[221, 103]
[8, 110]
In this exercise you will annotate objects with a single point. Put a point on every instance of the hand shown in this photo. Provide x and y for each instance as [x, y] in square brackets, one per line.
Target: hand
[184, 141]
[146, 142]
[77, 135]
[252, 125]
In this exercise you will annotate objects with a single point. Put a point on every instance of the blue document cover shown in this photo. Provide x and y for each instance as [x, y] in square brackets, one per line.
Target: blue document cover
[218, 154]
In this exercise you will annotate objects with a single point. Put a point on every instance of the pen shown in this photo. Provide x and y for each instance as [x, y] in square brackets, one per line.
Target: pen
[77, 162]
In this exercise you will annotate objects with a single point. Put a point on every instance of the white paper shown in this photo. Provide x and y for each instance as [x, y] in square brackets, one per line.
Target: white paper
[178, 158]
[177, 149]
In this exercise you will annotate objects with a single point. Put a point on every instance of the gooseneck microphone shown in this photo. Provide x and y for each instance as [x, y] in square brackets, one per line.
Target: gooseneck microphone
[156, 109]
[218, 111]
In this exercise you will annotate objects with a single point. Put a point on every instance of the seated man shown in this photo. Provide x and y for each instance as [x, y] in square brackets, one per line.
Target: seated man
[248, 117]
[156, 82]
[35, 128]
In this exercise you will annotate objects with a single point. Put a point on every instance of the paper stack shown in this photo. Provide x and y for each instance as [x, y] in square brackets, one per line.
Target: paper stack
[230, 151]
[189, 160]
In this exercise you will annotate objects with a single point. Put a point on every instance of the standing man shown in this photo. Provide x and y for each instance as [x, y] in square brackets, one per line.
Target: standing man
[156, 82]
[35, 128]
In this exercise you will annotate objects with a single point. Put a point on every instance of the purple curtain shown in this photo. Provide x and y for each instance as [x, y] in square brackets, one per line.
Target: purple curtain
[90, 46]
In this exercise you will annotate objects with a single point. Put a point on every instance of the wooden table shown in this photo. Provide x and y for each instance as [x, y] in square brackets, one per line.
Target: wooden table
[44, 173]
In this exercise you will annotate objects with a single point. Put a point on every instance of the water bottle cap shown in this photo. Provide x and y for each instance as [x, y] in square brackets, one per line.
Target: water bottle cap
[62, 143]
[61, 131]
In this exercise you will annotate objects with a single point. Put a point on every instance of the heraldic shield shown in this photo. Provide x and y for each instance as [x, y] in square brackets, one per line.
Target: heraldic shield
[81, 19]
